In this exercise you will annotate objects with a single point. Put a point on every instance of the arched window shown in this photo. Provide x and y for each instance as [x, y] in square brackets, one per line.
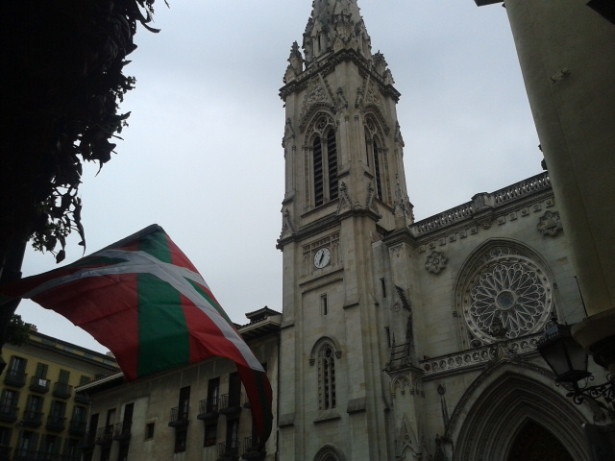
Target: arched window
[504, 292]
[324, 162]
[329, 453]
[375, 158]
[326, 377]
[377, 169]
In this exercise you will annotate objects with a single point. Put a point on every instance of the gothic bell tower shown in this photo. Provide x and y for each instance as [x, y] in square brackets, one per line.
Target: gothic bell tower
[345, 189]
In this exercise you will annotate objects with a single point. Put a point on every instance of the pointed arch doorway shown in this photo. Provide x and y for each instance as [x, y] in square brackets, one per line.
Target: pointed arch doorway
[509, 416]
[536, 443]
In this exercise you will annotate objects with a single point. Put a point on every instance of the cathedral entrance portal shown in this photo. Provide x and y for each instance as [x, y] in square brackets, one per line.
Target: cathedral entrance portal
[535, 443]
[509, 415]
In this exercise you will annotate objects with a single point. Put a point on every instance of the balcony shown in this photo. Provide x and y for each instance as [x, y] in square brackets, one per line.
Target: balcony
[104, 435]
[208, 410]
[40, 385]
[5, 452]
[230, 404]
[55, 423]
[252, 449]
[77, 427]
[228, 451]
[8, 413]
[122, 431]
[15, 378]
[32, 418]
[88, 442]
[178, 418]
[62, 390]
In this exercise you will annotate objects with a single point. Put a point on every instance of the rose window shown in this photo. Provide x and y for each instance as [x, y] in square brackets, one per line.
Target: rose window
[507, 298]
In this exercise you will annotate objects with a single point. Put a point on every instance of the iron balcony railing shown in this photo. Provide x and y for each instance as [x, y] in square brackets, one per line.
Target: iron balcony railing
[38, 384]
[230, 404]
[15, 378]
[104, 435]
[77, 427]
[8, 413]
[62, 390]
[208, 409]
[122, 431]
[55, 423]
[179, 417]
[252, 449]
[32, 418]
[228, 451]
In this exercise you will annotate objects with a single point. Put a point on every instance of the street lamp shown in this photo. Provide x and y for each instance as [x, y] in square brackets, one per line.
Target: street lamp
[568, 361]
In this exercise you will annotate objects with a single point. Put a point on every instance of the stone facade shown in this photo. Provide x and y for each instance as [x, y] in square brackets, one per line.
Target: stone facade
[429, 321]
[197, 412]
[398, 340]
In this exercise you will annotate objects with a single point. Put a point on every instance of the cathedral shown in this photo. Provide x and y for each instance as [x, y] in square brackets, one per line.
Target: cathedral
[398, 339]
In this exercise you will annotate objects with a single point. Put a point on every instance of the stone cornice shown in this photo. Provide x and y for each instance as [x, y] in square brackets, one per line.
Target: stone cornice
[463, 361]
[483, 208]
[323, 224]
[327, 64]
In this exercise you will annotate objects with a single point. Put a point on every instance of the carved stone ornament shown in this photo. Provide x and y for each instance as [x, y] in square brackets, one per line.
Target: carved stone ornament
[550, 224]
[435, 262]
[506, 299]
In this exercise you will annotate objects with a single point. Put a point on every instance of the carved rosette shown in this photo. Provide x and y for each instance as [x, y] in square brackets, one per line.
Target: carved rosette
[508, 298]
[435, 262]
[550, 224]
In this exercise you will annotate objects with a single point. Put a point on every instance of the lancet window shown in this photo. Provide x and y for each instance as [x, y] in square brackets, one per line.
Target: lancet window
[326, 377]
[375, 159]
[324, 162]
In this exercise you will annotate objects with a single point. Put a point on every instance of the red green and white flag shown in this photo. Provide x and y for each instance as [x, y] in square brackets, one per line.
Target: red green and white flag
[143, 299]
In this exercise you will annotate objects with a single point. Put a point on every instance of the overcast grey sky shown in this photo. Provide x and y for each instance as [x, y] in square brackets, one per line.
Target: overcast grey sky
[202, 155]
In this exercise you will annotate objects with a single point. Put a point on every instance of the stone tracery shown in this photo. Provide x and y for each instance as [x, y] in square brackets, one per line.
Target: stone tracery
[507, 296]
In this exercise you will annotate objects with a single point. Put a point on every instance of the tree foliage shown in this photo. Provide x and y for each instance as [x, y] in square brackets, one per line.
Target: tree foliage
[62, 81]
[18, 331]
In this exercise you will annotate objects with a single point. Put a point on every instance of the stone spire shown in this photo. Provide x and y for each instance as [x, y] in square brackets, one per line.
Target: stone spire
[335, 25]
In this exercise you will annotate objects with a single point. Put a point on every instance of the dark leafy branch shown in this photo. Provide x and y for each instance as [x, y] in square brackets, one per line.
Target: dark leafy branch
[62, 82]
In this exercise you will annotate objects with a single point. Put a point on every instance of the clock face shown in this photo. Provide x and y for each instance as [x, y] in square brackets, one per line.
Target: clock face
[322, 258]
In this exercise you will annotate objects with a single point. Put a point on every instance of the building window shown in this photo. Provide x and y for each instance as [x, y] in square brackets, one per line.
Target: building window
[326, 377]
[50, 447]
[26, 445]
[377, 169]
[33, 414]
[72, 451]
[105, 453]
[213, 394]
[506, 294]
[41, 370]
[211, 434]
[180, 441]
[324, 305]
[122, 454]
[232, 437]
[64, 376]
[324, 162]
[5, 436]
[126, 424]
[184, 403]
[16, 373]
[234, 390]
[375, 158]
[149, 431]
